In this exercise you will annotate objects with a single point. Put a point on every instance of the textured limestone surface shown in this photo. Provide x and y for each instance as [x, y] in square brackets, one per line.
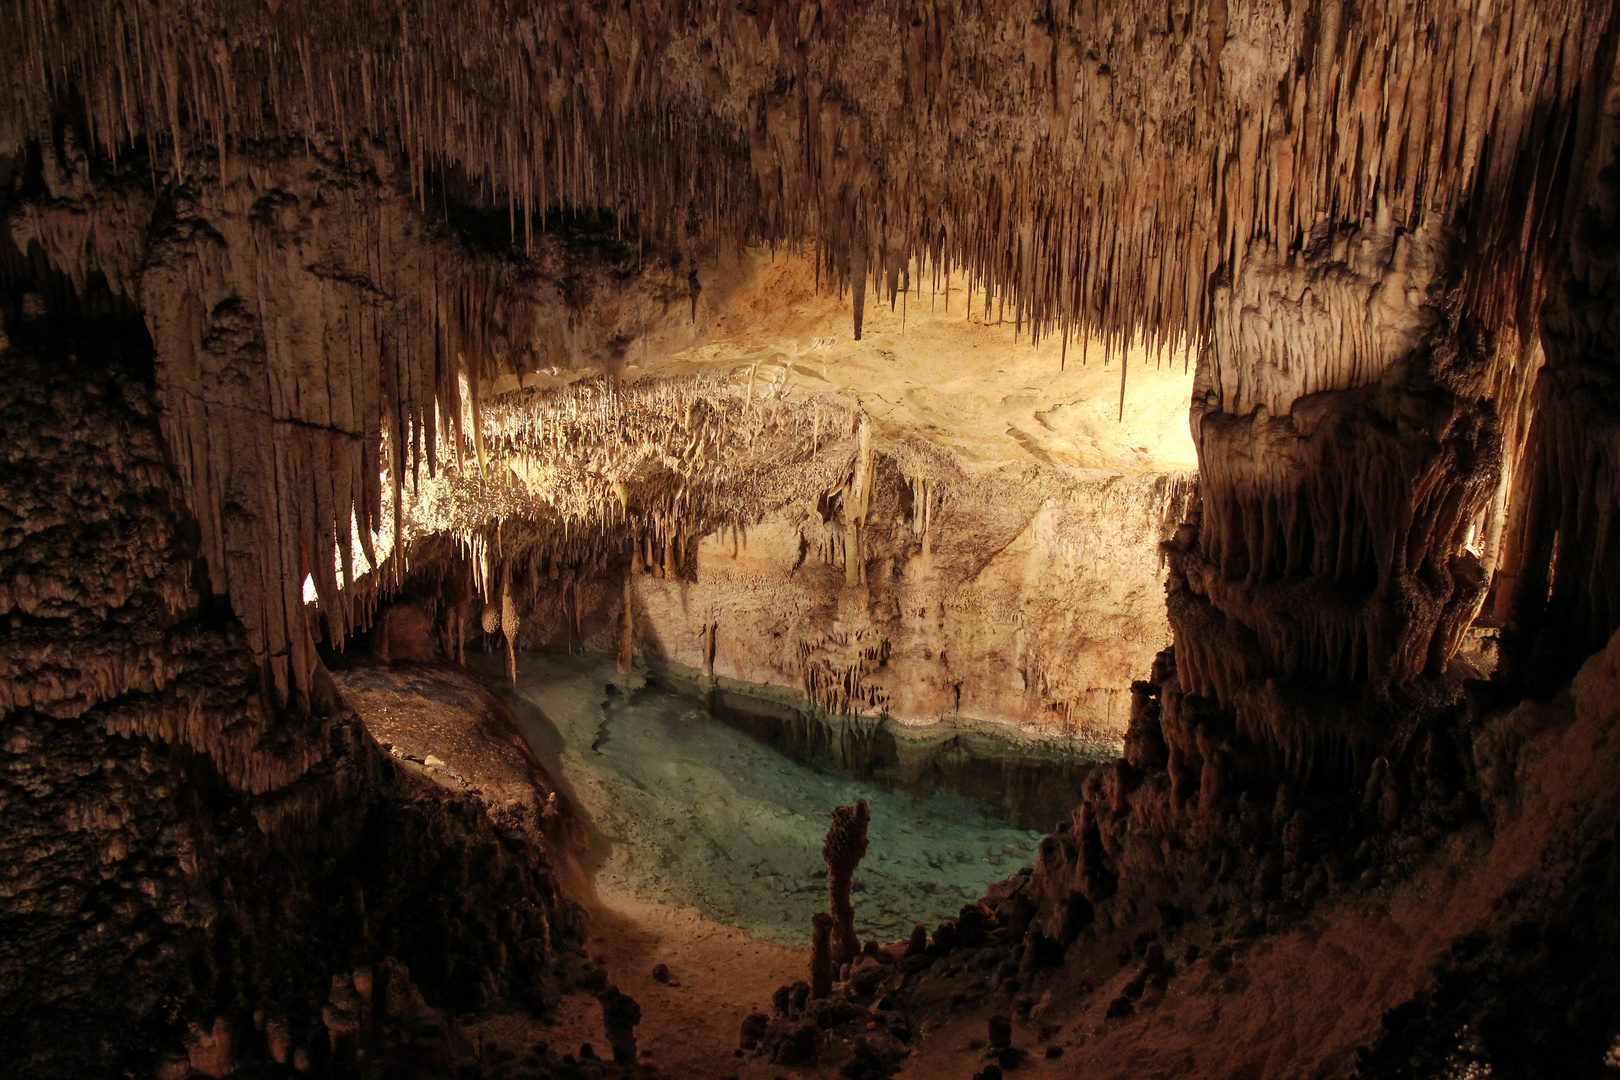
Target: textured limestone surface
[1479, 950]
[879, 524]
[457, 734]
[935, 366]
[1022, 583]
[181, 856]
[317, 343]
[473, 306]
[1031, 611]
[1022, 601]
[1097, 165]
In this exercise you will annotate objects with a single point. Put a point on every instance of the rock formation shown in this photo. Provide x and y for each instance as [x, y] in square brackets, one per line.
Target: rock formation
[764, 127]
[488, 310]
[620, 1015]
[821, 954]
[241, 851]
[987, 143]
[843, 851]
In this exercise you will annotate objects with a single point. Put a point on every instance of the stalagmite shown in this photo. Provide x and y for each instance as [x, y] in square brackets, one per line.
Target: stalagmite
[627, 627]
[821, 955]
[843, 850]
[620, 1015]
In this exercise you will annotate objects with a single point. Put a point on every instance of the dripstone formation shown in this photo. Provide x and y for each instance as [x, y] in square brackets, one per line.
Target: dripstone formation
[249, 858]
[359, 325]
[843, 851]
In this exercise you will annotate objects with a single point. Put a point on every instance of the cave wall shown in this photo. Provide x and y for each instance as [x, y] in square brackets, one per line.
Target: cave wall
[180, 852]
[1022, 599]
[314, 331]
[1373, 937]
[1352, 458]
[1558, 593]
[1381, 449]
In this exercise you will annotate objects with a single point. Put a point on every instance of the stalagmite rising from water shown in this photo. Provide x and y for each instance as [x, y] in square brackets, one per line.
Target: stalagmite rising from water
[627, 628]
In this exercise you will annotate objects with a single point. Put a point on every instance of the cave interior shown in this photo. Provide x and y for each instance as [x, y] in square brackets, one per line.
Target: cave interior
[771, 539]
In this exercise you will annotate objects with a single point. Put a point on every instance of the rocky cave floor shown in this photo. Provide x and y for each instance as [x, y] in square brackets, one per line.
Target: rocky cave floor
[1314, 950]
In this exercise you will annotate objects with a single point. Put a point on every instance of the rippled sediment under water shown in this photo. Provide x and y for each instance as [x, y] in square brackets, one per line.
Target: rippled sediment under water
[718, 799]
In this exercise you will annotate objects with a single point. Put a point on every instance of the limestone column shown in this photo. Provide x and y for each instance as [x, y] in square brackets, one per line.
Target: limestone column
[626, 627]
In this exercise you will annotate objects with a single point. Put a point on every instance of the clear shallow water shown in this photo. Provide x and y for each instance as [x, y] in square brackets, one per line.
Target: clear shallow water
[691, 811]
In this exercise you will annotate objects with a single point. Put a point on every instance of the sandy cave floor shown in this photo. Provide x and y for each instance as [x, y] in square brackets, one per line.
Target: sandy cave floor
[718, 976]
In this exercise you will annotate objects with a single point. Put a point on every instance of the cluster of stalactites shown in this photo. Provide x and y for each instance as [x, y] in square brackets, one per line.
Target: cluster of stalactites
[320, 349]
[314, 468]
[1096, 165]
[573, 482]
[659, 461]
[835, 670]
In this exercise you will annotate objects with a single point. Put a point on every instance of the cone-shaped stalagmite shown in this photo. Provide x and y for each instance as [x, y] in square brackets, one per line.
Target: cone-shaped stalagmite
[845, 846]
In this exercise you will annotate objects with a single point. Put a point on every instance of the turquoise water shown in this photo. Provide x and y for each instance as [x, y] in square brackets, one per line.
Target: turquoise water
[689, 811]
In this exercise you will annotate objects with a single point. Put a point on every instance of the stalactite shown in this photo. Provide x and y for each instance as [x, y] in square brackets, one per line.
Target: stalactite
[843, 688]
[1075, 225]
[857, 502]
[1158, 211]
[509, 628]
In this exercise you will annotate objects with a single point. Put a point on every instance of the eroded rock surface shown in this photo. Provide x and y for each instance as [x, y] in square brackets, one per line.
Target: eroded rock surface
[181, 854]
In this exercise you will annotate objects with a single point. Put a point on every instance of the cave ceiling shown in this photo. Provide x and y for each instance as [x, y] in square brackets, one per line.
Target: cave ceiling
[351, 228]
